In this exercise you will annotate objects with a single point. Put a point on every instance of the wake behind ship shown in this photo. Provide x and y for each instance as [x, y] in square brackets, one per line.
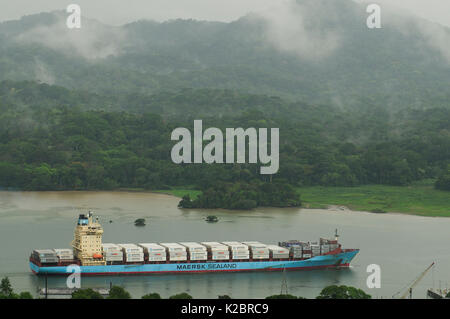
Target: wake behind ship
[96, 258]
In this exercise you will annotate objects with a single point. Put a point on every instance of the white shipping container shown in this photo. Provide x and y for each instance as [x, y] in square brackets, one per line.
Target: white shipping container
[131, 248]
[215, 246]
[261, 257]
[260, 251]
[114, 259]
[173, 247]
[63, 251]
[66, 257]
[183, 258]
[119, 253]
[280, 256]
[107, 246]
[254, 244]
[199, 257]
[241, 257]
[192, 246]
[234, 245]
[157, 258]
[278, 249]
[241, 253]
[306, 255]
[221, 253]
[152, 247]
[220, 257]
[134, 255]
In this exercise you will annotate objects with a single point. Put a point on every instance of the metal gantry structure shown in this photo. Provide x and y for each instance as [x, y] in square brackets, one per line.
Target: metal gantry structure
[410, 288]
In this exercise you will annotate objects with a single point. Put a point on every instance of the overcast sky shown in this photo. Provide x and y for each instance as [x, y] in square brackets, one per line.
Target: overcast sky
[122, 11]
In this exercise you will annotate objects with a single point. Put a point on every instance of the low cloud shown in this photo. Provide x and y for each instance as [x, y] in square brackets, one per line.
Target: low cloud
[92, 41]
[433, 35]
[437, 37]
[298, 27]
[42, 73]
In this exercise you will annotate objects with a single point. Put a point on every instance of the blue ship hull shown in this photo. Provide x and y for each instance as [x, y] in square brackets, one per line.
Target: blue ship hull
[342, 259]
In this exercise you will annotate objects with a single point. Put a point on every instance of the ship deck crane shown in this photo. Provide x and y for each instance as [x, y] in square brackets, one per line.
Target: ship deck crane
[414, 284]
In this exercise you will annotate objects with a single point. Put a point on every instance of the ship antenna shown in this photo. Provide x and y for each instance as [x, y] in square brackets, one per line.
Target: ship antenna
[336, 236]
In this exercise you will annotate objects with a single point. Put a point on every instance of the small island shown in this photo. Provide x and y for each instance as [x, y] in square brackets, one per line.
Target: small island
[212, 219]
[244, 196]
[139, 222]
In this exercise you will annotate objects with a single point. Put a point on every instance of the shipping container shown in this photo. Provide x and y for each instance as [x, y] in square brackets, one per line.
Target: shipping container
[234, 245]
[199, 257]
[278, 249]
[220, 257]
[152, 248]
[157, 258]
[240, 256]
[173, 247]
[191, 246]
[131, 248]
[261, 257]
[111, 247]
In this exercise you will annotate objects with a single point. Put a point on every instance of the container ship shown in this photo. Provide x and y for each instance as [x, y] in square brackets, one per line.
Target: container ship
[96, 258]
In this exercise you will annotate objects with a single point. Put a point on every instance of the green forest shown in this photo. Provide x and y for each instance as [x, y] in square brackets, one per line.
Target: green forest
[52, 138]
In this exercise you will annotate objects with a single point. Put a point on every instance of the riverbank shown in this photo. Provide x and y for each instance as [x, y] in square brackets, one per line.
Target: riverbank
[417, 199]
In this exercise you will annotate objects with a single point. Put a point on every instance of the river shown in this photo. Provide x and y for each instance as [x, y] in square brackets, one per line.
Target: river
[402, 245]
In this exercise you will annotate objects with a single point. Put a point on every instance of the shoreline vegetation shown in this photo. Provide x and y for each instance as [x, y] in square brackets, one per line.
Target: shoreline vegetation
[420, 198]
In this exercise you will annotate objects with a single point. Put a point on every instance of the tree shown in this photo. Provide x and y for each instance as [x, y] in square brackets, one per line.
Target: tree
[5, 287]
[185, 202]
[86, 294]
[25, 295]
[153, 295]
[183, 295]
[443, 182]
[342, 292]
[117, 292]
[224, 297]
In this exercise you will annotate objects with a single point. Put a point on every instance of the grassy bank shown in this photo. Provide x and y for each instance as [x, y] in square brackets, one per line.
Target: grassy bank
[418, 199]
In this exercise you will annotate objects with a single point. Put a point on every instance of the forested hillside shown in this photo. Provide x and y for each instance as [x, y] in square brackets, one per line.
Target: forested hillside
[325, 55]
[54, 138]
